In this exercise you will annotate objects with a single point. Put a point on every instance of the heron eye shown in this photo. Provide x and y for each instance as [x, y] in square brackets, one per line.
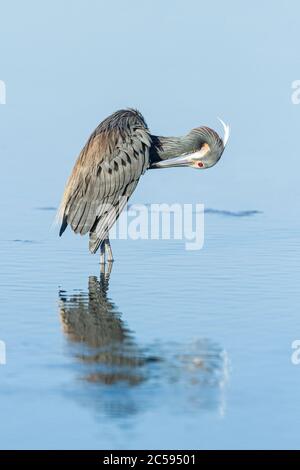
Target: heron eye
[200, 164]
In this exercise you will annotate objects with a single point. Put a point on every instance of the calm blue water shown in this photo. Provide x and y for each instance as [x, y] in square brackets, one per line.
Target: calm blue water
[173, 349]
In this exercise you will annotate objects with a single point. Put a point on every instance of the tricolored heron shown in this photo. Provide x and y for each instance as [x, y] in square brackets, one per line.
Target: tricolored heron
[111, 163]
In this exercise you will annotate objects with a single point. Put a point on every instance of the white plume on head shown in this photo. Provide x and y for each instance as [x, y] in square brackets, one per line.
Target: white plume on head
[226, 131]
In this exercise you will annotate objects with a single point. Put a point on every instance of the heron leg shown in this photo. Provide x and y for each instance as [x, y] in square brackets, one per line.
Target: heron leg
[102, 253]
[108, 272]
[108, 251]
[105, 271]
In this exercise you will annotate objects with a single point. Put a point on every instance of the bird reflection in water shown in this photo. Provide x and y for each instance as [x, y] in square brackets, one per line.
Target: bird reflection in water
[178, 375]
[94, 321]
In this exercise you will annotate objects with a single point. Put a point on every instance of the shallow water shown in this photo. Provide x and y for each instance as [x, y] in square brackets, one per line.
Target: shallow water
[172, 349]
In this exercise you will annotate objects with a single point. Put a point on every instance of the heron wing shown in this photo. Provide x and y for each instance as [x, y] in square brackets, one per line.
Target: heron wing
[105, 175]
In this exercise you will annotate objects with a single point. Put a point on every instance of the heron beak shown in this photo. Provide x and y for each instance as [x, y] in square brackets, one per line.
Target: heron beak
[173, 162]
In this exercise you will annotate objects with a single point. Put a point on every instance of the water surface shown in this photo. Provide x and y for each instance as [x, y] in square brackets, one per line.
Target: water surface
[171, 349]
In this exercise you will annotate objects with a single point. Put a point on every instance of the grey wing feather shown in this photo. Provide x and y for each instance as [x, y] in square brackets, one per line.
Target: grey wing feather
[107, 169]
[109, 218]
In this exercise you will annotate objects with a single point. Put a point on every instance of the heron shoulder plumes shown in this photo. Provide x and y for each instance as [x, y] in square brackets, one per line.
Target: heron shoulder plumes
[107, 169]
[109, 166]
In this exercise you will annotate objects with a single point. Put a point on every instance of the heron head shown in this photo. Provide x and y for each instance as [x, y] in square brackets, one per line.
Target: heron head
[202, 148]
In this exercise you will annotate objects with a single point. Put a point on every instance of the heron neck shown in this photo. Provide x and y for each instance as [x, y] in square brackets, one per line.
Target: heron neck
[168, 147]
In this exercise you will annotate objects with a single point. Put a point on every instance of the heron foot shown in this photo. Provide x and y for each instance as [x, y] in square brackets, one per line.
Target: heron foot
[105, 269]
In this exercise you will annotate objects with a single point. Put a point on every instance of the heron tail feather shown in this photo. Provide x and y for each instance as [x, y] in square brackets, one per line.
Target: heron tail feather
[64, 225]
